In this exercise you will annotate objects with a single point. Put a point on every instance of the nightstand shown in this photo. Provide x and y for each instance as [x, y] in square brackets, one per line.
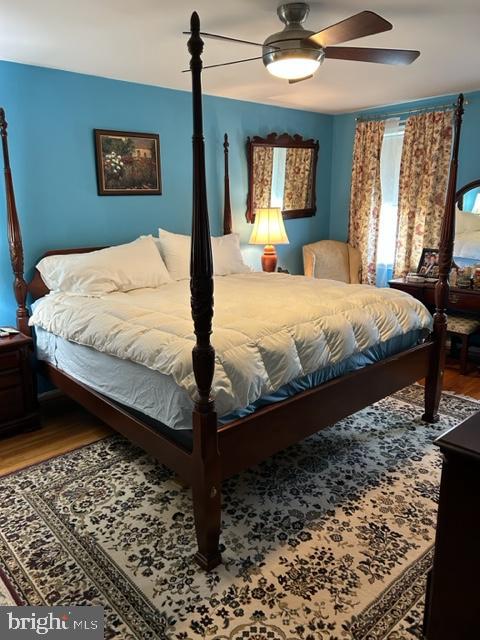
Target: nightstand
[18, 399]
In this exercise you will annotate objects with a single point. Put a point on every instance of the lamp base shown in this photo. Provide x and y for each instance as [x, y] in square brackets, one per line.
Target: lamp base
[269, 258]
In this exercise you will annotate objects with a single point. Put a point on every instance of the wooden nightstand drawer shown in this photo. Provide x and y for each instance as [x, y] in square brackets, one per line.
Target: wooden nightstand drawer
[9, 360]
[11, 403]
[18, 402]
[10, 379]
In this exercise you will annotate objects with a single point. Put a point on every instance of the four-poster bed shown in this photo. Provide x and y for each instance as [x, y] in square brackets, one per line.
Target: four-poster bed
[222, 450]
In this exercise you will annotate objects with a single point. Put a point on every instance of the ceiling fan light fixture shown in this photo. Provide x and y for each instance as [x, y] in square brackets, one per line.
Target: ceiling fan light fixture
[293, 68]
[293, 65]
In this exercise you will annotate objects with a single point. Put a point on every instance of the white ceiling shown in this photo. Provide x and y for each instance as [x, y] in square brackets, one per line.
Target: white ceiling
[141, 41]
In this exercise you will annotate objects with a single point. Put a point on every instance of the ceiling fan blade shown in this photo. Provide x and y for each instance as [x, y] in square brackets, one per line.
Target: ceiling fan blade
[364, 54]
[215, 36]
[226, 64]
[300, 79]
[362, 24]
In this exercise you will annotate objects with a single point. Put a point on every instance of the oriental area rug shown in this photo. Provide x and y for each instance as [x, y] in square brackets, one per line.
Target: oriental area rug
[328, 540]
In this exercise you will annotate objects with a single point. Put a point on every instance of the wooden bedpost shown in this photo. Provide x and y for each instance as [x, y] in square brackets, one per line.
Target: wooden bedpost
[227, 209]
[15, 245]
[434, 380]
[206, 476]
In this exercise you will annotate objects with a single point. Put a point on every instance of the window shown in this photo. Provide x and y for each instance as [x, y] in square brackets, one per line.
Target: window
[390, 159]
[278, 176]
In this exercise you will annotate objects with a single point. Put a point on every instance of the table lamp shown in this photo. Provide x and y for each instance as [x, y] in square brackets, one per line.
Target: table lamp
[268, 229]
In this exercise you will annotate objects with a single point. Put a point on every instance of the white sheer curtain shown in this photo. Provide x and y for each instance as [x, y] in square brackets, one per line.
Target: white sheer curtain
[278, 177]
[390, 160]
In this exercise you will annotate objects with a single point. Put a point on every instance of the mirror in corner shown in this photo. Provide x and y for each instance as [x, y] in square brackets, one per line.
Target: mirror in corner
[467, 225]
[282, 173]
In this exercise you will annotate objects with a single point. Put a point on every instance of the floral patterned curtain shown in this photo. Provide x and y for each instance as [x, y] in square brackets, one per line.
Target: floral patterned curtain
[366, 194]
[262, 176]
[298, 171]
[423, 184]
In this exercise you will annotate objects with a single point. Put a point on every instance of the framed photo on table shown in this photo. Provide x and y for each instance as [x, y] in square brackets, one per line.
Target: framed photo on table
[128, 164]
[428, 265]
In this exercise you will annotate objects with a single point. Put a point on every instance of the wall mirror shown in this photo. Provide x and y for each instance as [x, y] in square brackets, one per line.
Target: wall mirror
[468, 197]
[282, 173]
[467, 225]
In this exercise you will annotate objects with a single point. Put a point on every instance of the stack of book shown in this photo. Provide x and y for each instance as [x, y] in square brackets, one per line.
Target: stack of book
[415, 278]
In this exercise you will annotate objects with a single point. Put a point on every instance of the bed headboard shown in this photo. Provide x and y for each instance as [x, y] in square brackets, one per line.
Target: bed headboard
[36, 287]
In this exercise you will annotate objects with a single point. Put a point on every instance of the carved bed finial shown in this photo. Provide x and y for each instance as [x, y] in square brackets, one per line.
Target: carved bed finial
[15, 245]
[227, 208]
[201, 263]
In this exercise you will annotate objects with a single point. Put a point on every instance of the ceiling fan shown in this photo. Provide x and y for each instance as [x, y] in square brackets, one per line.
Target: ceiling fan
[295, 53]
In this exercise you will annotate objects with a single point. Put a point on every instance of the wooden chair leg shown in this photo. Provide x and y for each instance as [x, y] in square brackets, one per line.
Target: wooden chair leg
[453, 345]
[206, 492]
[464, 355]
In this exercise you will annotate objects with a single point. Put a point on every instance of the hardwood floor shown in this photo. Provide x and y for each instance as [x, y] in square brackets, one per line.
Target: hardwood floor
[66, 426]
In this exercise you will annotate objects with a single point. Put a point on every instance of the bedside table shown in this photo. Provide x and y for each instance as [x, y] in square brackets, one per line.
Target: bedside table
[18, 398]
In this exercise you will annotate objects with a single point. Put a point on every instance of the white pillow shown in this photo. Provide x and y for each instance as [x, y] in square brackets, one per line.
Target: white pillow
[124, 267]
[466, 222]
[175, 250]
[227, 257]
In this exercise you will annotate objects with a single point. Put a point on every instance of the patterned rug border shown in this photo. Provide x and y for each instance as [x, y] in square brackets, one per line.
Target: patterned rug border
[461, 396]
[447, 392]
[11, 589]
[391, 598]
[125, 592]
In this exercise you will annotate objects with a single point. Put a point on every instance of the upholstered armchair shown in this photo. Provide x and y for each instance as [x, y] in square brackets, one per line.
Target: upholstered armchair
[332, 260]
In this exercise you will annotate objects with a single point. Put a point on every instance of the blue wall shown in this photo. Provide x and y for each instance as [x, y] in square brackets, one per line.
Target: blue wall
[342, 151]
[51, 116]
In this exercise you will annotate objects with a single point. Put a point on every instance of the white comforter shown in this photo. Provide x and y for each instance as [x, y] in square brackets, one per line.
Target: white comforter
[268, 328]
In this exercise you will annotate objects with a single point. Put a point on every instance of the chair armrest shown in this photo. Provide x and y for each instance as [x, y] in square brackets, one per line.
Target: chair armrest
[355, 266]
[308, 262]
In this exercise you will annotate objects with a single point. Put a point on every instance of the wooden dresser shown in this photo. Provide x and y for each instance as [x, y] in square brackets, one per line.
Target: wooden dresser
[18, 398]
[453, 593]
[467, 300]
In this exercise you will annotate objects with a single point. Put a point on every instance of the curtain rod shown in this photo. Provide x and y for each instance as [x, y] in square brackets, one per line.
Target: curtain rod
[386, 116]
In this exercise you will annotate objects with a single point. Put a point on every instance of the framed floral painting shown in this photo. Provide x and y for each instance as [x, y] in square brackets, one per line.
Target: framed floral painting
[128, 164]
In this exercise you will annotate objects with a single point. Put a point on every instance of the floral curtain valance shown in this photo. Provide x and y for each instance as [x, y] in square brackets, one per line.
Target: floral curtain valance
[298, 179]
[366, 194]
[423, 184]
[262, 177]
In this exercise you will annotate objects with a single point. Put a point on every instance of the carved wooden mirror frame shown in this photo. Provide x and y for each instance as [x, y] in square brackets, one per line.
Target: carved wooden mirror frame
[283, 140]
[474, 184]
